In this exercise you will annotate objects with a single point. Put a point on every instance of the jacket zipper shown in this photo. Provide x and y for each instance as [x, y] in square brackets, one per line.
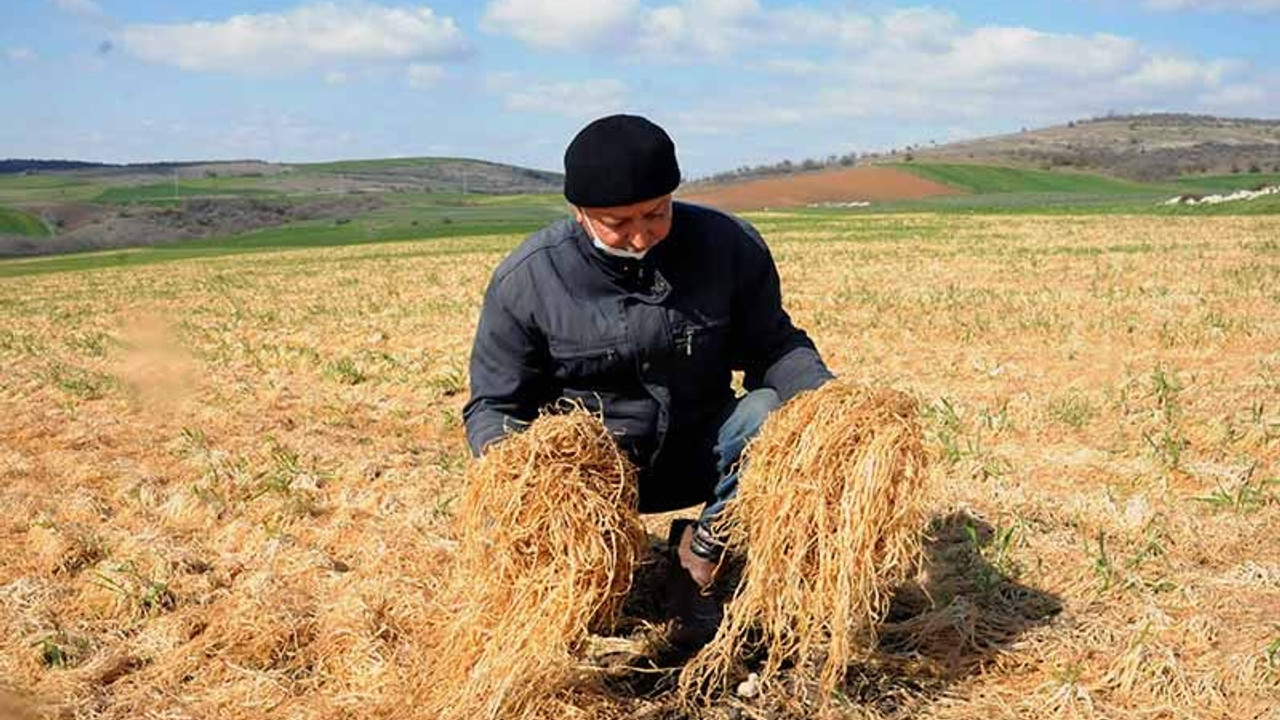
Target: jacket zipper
[607, 353]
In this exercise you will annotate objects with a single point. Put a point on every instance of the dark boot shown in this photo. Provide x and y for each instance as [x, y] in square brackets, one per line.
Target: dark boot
[694, 613]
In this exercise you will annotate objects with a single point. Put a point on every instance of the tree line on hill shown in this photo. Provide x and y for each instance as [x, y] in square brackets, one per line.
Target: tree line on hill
[784, 167]
[16, 166]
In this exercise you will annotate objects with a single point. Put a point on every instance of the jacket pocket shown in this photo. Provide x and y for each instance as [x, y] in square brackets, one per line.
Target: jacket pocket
[579, 367]
[701, 340]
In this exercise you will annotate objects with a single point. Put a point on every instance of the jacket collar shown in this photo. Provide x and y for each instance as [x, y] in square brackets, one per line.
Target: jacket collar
[642, 278]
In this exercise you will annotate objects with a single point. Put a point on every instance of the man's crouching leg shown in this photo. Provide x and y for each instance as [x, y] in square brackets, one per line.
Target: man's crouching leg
[695, 610]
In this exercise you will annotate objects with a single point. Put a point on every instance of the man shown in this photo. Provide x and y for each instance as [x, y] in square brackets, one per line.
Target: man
[640, 307]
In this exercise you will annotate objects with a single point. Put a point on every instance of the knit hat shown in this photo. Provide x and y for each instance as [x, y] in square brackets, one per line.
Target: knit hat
[619, 160]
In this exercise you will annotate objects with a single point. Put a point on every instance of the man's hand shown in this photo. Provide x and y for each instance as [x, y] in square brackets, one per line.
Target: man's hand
[702, 570]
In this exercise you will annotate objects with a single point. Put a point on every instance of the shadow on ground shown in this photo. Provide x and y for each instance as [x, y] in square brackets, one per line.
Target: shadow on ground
[967, 609]
[964, 610]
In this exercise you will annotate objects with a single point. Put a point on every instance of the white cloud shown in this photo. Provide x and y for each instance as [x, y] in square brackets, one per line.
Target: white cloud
[992, 51]
[1254, 98]
[83, 8]
[1032, 76]
[681, 31]
[424, 77]
[923, 66]
[721, 121]
[307, 36]
[20, 54]
[561, 24]
[924, 29]
[586, 98]
[701, 28]
[694, 30]
[1247, 6]
[804, 26]
[337, 77]
[1163, 72]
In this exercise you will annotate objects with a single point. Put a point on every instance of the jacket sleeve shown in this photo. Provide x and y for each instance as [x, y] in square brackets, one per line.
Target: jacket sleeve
[774, 352]
[509, 371]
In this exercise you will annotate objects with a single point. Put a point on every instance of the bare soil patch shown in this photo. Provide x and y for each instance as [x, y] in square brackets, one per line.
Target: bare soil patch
[827, 186]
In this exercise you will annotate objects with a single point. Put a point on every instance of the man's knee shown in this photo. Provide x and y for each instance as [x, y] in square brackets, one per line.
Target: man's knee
[749, 414]
[757, 404]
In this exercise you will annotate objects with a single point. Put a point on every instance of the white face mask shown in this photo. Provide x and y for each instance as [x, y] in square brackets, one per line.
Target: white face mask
[615, 252]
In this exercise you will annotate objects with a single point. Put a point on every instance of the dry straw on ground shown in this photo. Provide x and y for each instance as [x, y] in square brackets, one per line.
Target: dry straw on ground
[549, 537]
[1103, 400]
[830, 509]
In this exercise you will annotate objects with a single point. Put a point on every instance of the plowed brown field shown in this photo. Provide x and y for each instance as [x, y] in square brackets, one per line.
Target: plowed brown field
[875, 184]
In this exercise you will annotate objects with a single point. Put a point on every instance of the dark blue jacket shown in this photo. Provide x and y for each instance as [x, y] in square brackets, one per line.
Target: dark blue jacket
[650, 343]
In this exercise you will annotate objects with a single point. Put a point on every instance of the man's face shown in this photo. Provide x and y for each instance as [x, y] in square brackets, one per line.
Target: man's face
[634, 228]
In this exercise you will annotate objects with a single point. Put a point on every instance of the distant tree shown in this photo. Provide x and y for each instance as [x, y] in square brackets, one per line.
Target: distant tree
[909, 157]
[1254, 169]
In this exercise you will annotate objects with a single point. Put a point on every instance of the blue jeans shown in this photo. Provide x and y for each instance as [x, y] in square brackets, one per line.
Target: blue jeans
[745, 417]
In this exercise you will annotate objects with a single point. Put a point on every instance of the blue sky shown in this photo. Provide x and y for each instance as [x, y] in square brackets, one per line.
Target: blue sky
[734, 81]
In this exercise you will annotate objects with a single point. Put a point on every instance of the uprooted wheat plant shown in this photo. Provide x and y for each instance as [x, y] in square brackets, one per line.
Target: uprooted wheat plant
[830, 512]
[549, 537]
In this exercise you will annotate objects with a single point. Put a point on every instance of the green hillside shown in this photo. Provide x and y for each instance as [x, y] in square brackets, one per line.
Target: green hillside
[411, 218]
[164, 192]
[18, 189]
[991, 179]
[16, 222]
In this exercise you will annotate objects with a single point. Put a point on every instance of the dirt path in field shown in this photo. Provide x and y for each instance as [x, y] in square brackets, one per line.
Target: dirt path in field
[871, 184]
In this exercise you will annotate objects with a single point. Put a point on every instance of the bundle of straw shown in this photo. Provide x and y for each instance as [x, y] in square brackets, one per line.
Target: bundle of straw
[830, 509]
[549, 536]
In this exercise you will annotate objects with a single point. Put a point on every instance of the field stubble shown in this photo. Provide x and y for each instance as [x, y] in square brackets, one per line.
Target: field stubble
[229, 484]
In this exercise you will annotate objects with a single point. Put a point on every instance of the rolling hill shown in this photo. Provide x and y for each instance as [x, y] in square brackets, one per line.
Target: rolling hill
[1136, 147]
[56, 206]
[422, 174]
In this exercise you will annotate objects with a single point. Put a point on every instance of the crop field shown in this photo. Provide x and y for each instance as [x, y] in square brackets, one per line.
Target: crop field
[21, 223]
[1001, 190]
[228, 479]
[16, 189]
[167, 193]
[986, 179]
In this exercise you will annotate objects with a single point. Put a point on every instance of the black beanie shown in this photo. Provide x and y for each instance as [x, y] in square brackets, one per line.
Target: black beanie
[619, 160]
